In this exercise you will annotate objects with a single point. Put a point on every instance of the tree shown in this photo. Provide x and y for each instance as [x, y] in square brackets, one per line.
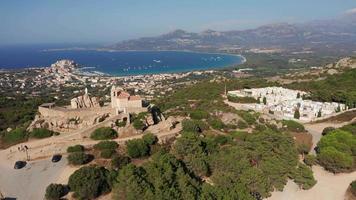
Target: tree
[150, 139]
[353, 187]
[137, 148]
[118, 161]
[327, 130]
[103, 133]
[90, 182]
[56, 191]
[41, 133]
[298, 95]
[75, 148]
[319, 113]
[303, 176]
[79, 158]
[192, 150]
[163, 177]
[106, 145]
[264, 100]
[296, 114]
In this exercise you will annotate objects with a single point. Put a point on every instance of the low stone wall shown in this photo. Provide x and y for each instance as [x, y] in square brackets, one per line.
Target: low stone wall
[74, 113]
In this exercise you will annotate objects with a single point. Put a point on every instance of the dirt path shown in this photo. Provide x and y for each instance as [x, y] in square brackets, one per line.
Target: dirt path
[328, 187]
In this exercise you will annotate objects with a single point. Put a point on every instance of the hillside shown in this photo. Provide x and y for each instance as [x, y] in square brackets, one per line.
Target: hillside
[336, 35]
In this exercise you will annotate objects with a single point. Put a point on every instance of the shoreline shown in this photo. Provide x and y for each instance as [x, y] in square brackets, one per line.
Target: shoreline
[100, 73]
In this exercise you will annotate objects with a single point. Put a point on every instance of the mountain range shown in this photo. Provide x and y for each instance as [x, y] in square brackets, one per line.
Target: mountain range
[336, 35]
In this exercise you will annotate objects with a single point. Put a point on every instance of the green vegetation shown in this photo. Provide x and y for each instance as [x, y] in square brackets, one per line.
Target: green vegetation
[327, 130]
[150, 139]
[75, 148]
[118, 161]
[249, 117]
[242, 124]
[242, 99]
[106, 145]
[137, 148]
[79, 158]
[353, 187]
[163, 177]
[103, 133]
[303, 176]
[107, 153]
[336, 88]
[296, 114]
[216, 123]
[40, 133]
[199, 114]
[14, 137]
[337, 151]
[293, 126]
[310, 160]
[90, 182]
[194, 125]
[350, 128]
[56, 191]
[138, 120]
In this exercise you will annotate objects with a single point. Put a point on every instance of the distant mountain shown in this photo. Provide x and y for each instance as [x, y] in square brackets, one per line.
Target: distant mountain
[338, 35]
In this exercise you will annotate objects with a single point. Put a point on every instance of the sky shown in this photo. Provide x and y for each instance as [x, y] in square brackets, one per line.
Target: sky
[110, 21]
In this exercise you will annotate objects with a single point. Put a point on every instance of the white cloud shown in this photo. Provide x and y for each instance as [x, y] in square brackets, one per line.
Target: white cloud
[351, 11]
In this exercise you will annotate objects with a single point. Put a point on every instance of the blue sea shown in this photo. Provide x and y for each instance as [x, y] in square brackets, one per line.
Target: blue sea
[119, 63]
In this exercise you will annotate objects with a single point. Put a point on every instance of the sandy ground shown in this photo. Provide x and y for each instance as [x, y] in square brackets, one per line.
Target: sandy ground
[328, 187]
[31, 181]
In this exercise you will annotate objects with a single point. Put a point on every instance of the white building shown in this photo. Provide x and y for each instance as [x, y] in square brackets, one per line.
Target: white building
[284, 102]
[123, 102]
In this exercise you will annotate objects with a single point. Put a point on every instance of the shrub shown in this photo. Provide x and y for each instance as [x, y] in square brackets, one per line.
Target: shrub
[334, 161]
[106, 145]
[138, 124]
[103, 133]
[199, 114]
[15, 136]
[241, 124]
[137, 148]
[55, 191]
[353, 187]
[75, 148]
[41, 133]
[120, 123]
[221, 139]
[107, 153]
[78, 158]
[150, 139]
[293, 126]
[216, 124]
[247, 116]
[194, 125]
[303, 176]
[90, 182]
[242, 99]
[119, 162]
[327, 130]
[310, 160]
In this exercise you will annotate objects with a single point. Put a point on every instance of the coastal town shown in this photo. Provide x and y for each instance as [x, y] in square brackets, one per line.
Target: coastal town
[68, 74]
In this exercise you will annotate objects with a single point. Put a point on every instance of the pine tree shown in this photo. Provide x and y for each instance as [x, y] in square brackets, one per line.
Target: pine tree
[264, 100]
[319, 113]
[296, 114]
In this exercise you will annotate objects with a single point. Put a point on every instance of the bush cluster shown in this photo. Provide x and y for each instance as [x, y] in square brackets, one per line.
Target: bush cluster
[293, 126]
[103, 133]
[79, 158]
[106, 145]
[75, 148]
[90, 182]
[56, 191]
[40, 133]
[140, 147]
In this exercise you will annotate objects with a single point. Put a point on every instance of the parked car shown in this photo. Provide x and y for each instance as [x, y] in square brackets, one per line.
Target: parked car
[56, 158]
[19, 164]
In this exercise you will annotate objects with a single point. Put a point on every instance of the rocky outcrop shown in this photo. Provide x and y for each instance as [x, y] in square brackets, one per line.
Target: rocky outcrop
[84, 101]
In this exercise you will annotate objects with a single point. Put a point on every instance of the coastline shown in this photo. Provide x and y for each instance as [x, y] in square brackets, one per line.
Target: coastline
[93, 71]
